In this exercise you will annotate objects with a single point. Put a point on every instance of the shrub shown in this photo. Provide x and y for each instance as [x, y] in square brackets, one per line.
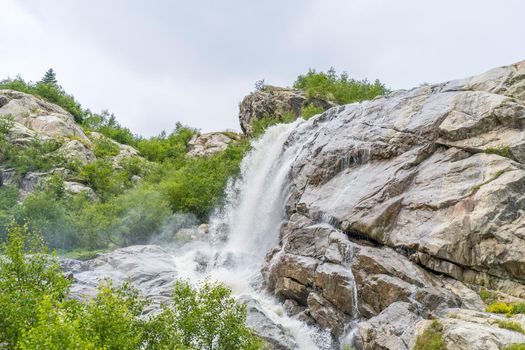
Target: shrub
[432, 338]
[27, 276]
[499, 307]
[106, 123]
[338, 88]
[204, 318]
[105, 148]
[485, 295]
[310, 110]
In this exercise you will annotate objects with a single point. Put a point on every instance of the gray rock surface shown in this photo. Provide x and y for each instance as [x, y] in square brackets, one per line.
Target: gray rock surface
[406, 201]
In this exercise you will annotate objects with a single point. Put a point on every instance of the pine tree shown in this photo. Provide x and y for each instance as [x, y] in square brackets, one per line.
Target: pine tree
[50, 77]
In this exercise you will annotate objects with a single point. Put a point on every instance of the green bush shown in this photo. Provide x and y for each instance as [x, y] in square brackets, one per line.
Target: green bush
[27, 276]
[105, 148]
[500, 307]
[165, 147]
[310, 110]
[205, 318]
[501, 150]
[432, 338]
[106, 123]
[339, 88]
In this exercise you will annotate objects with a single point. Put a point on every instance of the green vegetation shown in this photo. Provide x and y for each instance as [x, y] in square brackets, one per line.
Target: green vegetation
[339, 88]
[486, 295]
[514, 347]
[432, 338]
[501, 150]
[513, 326]
[500, 307]
[259, 126]
[35, 313]
[310, 110]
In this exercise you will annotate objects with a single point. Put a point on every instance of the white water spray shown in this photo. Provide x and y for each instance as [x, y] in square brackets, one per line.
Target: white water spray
[248, 227]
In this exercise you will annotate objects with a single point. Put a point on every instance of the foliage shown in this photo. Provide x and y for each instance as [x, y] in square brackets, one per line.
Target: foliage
[35, 313]
[513, 326]
[338, 88]
[432, 338]
[205, 318]
[259, 126]
[310, 110]
[51, 92]
[165, 147]
[105, 148]
[485, 295]
[104, 179]
[106, 123]
[500, 307]
[49, 77]
[198, 186]
[27, 276]
[37, 156]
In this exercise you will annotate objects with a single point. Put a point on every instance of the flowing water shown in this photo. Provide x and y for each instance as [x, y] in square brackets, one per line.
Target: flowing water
[247, 227]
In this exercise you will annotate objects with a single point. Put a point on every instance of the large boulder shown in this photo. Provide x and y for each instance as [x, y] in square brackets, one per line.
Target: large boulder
[209, 144]
[36, 117]
[275, 102]
[389, 196]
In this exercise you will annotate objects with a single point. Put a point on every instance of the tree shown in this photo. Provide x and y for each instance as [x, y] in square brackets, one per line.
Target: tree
[49, 77]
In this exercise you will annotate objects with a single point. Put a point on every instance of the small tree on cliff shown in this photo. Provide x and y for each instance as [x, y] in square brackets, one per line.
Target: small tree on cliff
[50, 77]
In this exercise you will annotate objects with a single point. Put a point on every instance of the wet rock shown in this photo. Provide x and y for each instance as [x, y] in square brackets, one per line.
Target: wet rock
[275, 335]
[326, 314]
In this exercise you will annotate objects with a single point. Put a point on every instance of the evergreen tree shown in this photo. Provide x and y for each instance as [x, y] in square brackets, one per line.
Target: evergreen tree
[50, 77]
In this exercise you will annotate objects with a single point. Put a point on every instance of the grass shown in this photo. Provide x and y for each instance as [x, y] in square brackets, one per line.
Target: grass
[500, 150]
[515, 346]
[513, 326]
[82, 254]
[432, 338]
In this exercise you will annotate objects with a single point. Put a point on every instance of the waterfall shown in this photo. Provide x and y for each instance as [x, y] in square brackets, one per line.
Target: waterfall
[247, 227]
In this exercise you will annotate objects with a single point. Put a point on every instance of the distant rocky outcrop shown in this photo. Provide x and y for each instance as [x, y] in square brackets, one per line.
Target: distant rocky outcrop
[275, 102]
[208, 144]
[35, 119]
[404, 207]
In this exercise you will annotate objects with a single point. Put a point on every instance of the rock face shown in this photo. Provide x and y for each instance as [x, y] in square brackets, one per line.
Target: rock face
[387, 195]
[34, 116]
[276, 102]
[206, 145]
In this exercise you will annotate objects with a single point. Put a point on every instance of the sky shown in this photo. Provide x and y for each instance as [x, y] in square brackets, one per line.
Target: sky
[159, 62]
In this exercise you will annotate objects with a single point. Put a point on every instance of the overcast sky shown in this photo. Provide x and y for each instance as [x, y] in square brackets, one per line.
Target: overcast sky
[154, 63]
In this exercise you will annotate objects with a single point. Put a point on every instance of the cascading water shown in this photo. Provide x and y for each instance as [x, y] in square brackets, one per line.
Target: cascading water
[247, 228]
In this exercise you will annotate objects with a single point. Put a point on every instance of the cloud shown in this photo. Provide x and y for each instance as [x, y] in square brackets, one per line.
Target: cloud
[160, 62]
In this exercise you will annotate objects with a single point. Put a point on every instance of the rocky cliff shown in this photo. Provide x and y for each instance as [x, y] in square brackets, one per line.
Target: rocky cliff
[33, 119]
[403, 207]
